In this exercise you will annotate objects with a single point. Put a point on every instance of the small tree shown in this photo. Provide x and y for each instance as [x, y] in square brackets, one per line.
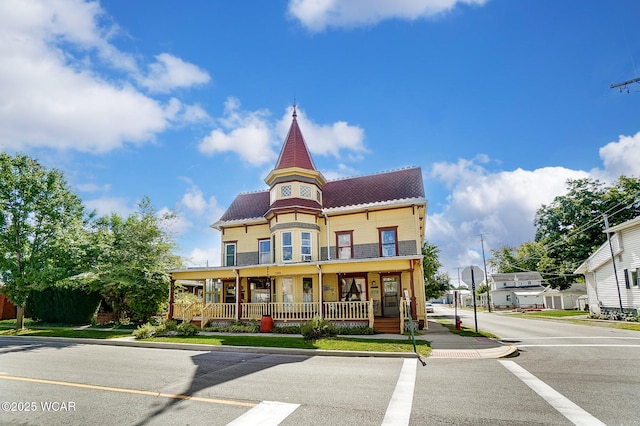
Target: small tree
[435, 283]
[41, 229]
[132, 271]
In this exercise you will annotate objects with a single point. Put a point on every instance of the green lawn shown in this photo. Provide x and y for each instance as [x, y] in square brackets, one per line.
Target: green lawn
[555, 314]
[67, 332]
[351, 343]
[339, 343]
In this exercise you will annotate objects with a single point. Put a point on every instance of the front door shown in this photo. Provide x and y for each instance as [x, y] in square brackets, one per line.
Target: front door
[391, 296]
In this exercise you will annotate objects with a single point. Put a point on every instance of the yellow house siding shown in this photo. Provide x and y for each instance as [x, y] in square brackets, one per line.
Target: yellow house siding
[366, 236]
[246, 239]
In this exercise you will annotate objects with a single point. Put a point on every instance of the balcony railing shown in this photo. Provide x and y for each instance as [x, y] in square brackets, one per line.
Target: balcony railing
[279, 311]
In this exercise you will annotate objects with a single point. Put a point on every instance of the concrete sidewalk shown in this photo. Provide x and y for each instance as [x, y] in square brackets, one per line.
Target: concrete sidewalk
[444, 344]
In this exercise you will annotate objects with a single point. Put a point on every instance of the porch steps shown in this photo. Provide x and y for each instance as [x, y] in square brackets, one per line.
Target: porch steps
[387, 325]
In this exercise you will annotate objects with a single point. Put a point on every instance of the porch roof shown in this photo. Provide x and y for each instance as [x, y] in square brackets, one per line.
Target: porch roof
[384, 264]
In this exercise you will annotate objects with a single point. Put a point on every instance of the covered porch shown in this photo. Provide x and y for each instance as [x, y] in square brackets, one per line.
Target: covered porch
[364, 293]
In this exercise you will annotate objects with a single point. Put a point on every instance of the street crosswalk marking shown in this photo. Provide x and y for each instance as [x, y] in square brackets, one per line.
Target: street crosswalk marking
[267, 413]
[566, 407]
[399, 408]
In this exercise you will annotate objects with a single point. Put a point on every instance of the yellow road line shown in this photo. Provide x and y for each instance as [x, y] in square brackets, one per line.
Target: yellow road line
[3, 376]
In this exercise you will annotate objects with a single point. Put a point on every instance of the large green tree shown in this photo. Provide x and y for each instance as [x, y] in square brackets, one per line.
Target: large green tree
[42, 232]
[507, 259]
[570, 228]
[435, 282]
[133, 263]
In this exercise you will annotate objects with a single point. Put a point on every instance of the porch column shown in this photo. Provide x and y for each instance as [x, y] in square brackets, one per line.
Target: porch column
[238, 290]
[171, 297]
[321, 292]
[414, 313]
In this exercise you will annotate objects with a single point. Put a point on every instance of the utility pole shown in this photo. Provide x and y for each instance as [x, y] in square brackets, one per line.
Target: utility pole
[613, 260]
[486, 279]
[623, 85]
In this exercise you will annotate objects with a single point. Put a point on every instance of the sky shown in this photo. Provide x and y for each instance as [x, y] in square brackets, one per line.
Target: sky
[188, 103]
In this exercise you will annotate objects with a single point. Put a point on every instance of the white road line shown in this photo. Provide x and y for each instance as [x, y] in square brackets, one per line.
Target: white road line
[578, 345]
[570, 410]
[571, 337]
[399, 408]
[267, 413]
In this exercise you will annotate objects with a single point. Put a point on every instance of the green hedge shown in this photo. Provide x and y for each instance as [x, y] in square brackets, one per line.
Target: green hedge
[63, 305]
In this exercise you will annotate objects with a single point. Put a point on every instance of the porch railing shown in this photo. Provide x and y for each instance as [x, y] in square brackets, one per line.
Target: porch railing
[349, 311]
[222, 311]
[279, 311]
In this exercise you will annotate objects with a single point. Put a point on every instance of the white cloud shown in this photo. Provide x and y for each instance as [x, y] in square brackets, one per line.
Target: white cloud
[55, 91]
[170, 72]
[203, 257]
[93, 187]
[246, 133]
[317, 15]
[256, 140]
[175, 224]
[621, 157]
[194, 200]
[324, 139]
[500, 206]
[108, 205]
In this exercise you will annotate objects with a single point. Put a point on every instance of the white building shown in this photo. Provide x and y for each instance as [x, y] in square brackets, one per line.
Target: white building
[605, 292]
[517, 290]
[569, 298]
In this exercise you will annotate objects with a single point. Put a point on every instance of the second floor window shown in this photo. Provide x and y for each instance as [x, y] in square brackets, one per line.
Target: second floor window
[305, 246]
[388, 242]
[230, 254]
[344, 245]
[287, 247]
[264, 251]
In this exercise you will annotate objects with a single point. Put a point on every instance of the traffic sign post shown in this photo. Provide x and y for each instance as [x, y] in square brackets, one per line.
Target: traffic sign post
[469, 276]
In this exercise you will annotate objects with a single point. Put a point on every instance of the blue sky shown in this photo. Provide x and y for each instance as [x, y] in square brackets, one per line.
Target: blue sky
[499, 102]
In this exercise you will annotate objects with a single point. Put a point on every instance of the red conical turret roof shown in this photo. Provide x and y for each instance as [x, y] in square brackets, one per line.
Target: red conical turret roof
[294, 151]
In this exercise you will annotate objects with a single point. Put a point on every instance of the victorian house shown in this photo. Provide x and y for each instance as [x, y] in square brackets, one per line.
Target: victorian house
[346, 250]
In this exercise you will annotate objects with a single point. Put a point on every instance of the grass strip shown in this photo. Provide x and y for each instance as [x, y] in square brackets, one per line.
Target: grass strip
[335, 344]
[555, 314]
[67, 332]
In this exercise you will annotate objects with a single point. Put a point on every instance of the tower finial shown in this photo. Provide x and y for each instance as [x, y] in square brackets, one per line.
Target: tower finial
[295, 114]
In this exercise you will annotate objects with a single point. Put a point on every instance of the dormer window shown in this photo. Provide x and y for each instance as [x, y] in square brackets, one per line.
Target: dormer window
[285, 191]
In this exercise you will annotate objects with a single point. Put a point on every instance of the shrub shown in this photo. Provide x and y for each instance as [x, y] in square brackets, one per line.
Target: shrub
[236, 327]
[145, 331]
[170, 325]
[63, 305]
[289, 329]
[244, 327]
[318, 328]
[187, 329]
[352, 331]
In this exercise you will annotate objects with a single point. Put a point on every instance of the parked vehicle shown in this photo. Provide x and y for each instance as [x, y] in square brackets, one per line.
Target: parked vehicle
[429, 308]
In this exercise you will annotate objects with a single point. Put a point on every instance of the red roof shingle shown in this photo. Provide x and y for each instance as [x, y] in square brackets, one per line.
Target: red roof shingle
[294, 151]
[379, 188]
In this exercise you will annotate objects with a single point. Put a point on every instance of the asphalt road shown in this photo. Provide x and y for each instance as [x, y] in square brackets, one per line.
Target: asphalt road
[54, 384]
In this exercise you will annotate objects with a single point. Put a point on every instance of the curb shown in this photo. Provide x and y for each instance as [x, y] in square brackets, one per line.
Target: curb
[130, 342]
[503, 351]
